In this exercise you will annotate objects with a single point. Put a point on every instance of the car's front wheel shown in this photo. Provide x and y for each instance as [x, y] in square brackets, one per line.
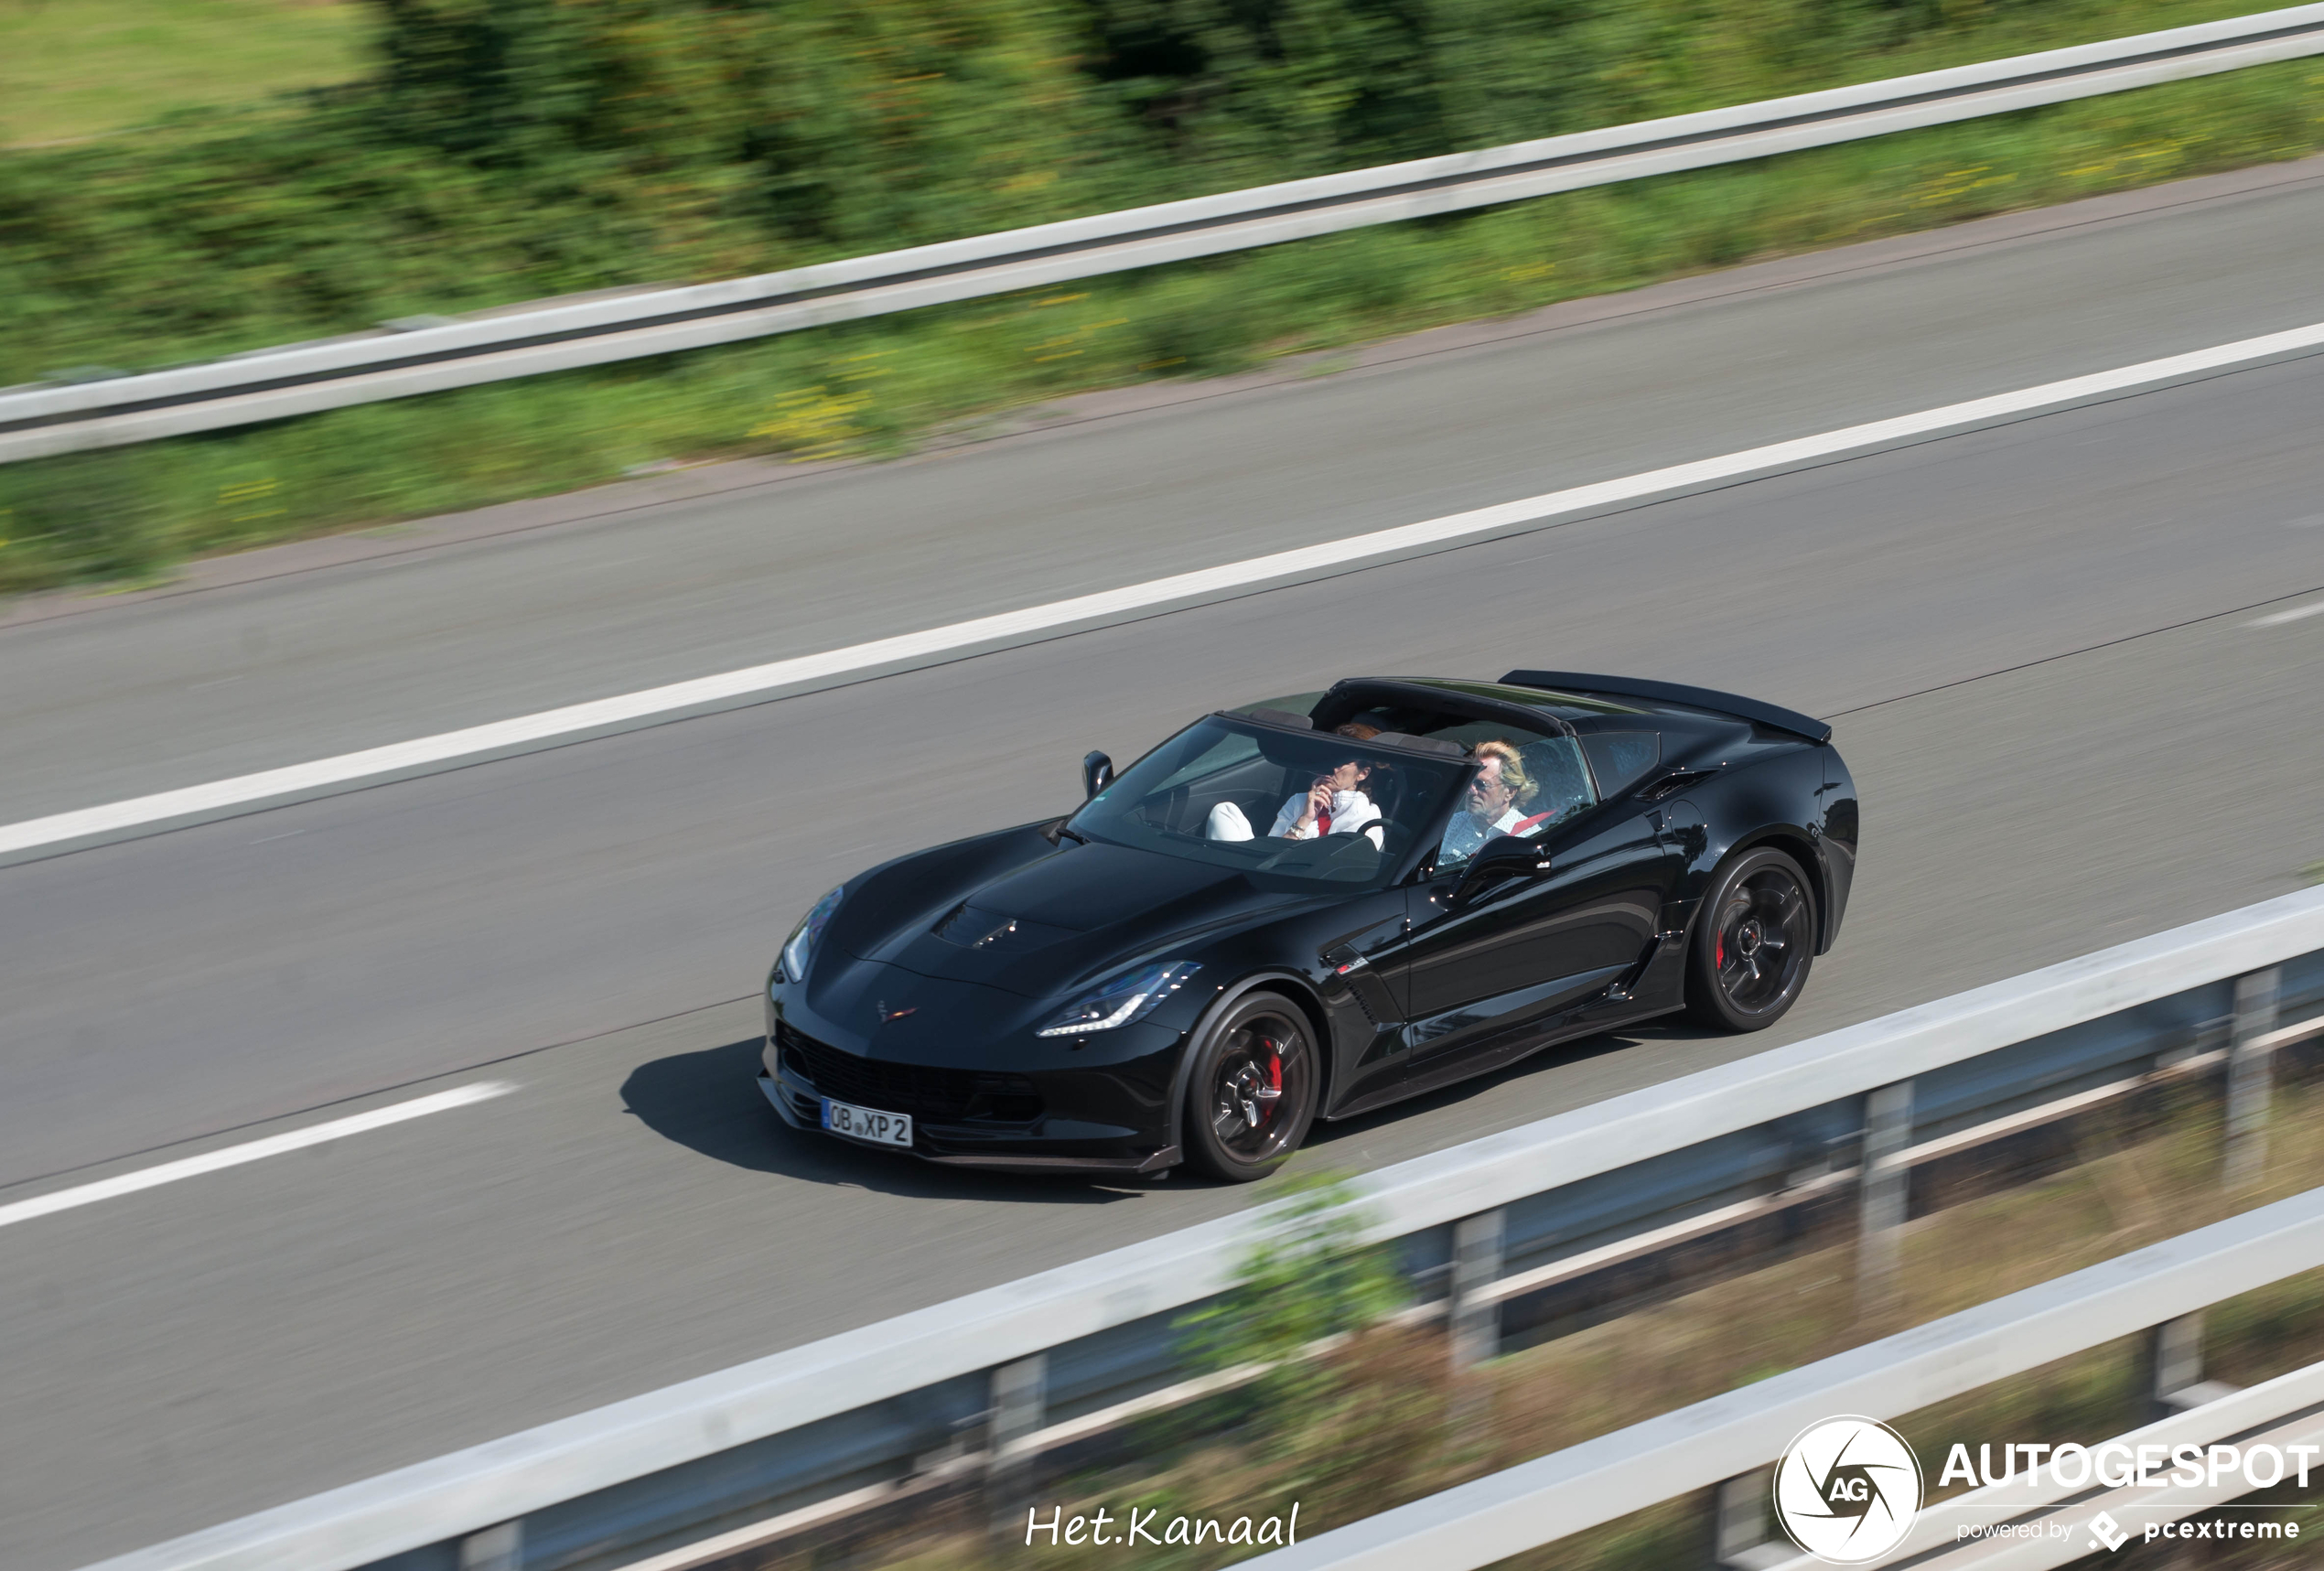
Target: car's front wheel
[1253, 1090]
[1754, 940]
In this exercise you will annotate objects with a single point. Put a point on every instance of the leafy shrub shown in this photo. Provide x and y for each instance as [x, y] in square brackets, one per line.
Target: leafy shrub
[1308, 1276]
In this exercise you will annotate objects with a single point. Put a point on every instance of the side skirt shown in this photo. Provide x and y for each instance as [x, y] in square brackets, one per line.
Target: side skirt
[1655, 985]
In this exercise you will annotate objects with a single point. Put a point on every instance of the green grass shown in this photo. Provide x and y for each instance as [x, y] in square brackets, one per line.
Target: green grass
[77, 69]
[877, 387]
[145, 253]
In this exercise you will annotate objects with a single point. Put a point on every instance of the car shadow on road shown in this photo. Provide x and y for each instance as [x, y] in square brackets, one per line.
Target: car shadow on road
[709, 1101]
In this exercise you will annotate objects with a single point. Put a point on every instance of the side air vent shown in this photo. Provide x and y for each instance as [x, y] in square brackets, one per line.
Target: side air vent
[1670, 785]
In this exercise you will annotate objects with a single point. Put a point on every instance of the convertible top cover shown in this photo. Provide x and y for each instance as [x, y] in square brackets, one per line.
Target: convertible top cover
[1782, 719]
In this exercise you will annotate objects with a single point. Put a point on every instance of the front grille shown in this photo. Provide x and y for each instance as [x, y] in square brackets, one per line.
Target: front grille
[923, 1093]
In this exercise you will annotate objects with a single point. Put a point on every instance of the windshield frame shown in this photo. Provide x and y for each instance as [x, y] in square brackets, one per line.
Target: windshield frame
[1427, 827]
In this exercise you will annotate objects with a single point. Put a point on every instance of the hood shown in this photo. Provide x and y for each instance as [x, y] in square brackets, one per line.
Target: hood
[1053, 920]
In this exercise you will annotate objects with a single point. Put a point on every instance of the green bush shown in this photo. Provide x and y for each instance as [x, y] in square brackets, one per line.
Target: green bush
[1306, 1277]
[507, 149]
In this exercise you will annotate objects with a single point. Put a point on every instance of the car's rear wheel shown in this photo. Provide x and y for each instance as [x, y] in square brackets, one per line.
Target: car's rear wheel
[1254, 1088]
[1754, 941]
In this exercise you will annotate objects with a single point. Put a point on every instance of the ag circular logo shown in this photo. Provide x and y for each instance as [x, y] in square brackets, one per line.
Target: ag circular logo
[1846, 1490]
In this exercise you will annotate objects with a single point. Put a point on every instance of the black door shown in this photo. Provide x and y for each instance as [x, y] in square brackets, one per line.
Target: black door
[1365, 999]
[1490, 979]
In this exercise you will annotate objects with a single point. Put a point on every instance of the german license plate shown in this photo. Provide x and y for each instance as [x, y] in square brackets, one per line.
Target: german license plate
[867, 1124]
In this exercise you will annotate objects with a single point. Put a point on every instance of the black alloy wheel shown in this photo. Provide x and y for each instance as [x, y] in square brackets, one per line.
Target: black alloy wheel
[1754, 940]
[1251, 1092]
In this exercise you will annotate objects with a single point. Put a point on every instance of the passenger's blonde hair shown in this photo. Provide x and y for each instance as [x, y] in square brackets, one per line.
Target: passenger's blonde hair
[1512, 770]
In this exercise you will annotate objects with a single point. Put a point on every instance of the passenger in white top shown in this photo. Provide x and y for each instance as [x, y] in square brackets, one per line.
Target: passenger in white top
[1332, 804]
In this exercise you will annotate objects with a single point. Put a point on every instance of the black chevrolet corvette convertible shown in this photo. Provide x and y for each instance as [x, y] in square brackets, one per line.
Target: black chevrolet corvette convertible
[1312, 907]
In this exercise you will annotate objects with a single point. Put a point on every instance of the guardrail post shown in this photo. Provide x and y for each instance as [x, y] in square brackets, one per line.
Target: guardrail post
[497, 1548]
[2249, 1081]
[2175, 1353]
[1738, 1524]
[2178, 1354]
[1019, 1391]
[1888, 1129]
[1019, 1395]
[1476, 1265]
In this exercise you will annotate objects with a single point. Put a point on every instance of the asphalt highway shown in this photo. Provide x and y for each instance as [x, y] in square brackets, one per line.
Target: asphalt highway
[447, 624]
[2045, 647]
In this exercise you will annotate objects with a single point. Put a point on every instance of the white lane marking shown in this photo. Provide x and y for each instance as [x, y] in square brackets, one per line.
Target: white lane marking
[2277, 618]
[576, 721]
[250, 1151]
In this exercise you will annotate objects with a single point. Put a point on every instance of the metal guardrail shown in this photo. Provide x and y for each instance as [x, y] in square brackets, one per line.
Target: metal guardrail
[1728, 1436]
[716, 1454]
[300, 379]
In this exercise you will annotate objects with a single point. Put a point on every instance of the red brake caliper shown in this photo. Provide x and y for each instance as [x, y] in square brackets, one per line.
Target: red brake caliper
[1274, 1082]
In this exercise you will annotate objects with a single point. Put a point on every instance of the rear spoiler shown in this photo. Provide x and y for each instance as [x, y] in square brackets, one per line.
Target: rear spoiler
[1791, 720]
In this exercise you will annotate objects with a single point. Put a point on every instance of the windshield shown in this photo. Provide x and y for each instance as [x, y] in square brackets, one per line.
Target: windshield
[1310, 809]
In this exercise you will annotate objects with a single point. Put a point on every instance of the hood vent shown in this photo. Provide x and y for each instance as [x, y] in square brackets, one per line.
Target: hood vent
[971, 927]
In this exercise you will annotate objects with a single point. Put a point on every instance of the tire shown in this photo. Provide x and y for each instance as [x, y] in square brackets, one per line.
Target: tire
[1253, 1089]
[1753, 943]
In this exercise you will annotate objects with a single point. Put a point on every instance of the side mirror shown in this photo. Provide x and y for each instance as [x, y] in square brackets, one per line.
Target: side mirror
[1097, 774]
[1501, 859]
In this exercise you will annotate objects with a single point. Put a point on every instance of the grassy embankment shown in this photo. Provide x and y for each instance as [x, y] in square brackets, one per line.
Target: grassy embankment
[71, 70]
[100, 283]
[1392, 1428]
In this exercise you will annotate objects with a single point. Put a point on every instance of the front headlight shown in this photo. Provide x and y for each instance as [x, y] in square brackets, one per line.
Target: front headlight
[802, 942]
[1129, 997]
